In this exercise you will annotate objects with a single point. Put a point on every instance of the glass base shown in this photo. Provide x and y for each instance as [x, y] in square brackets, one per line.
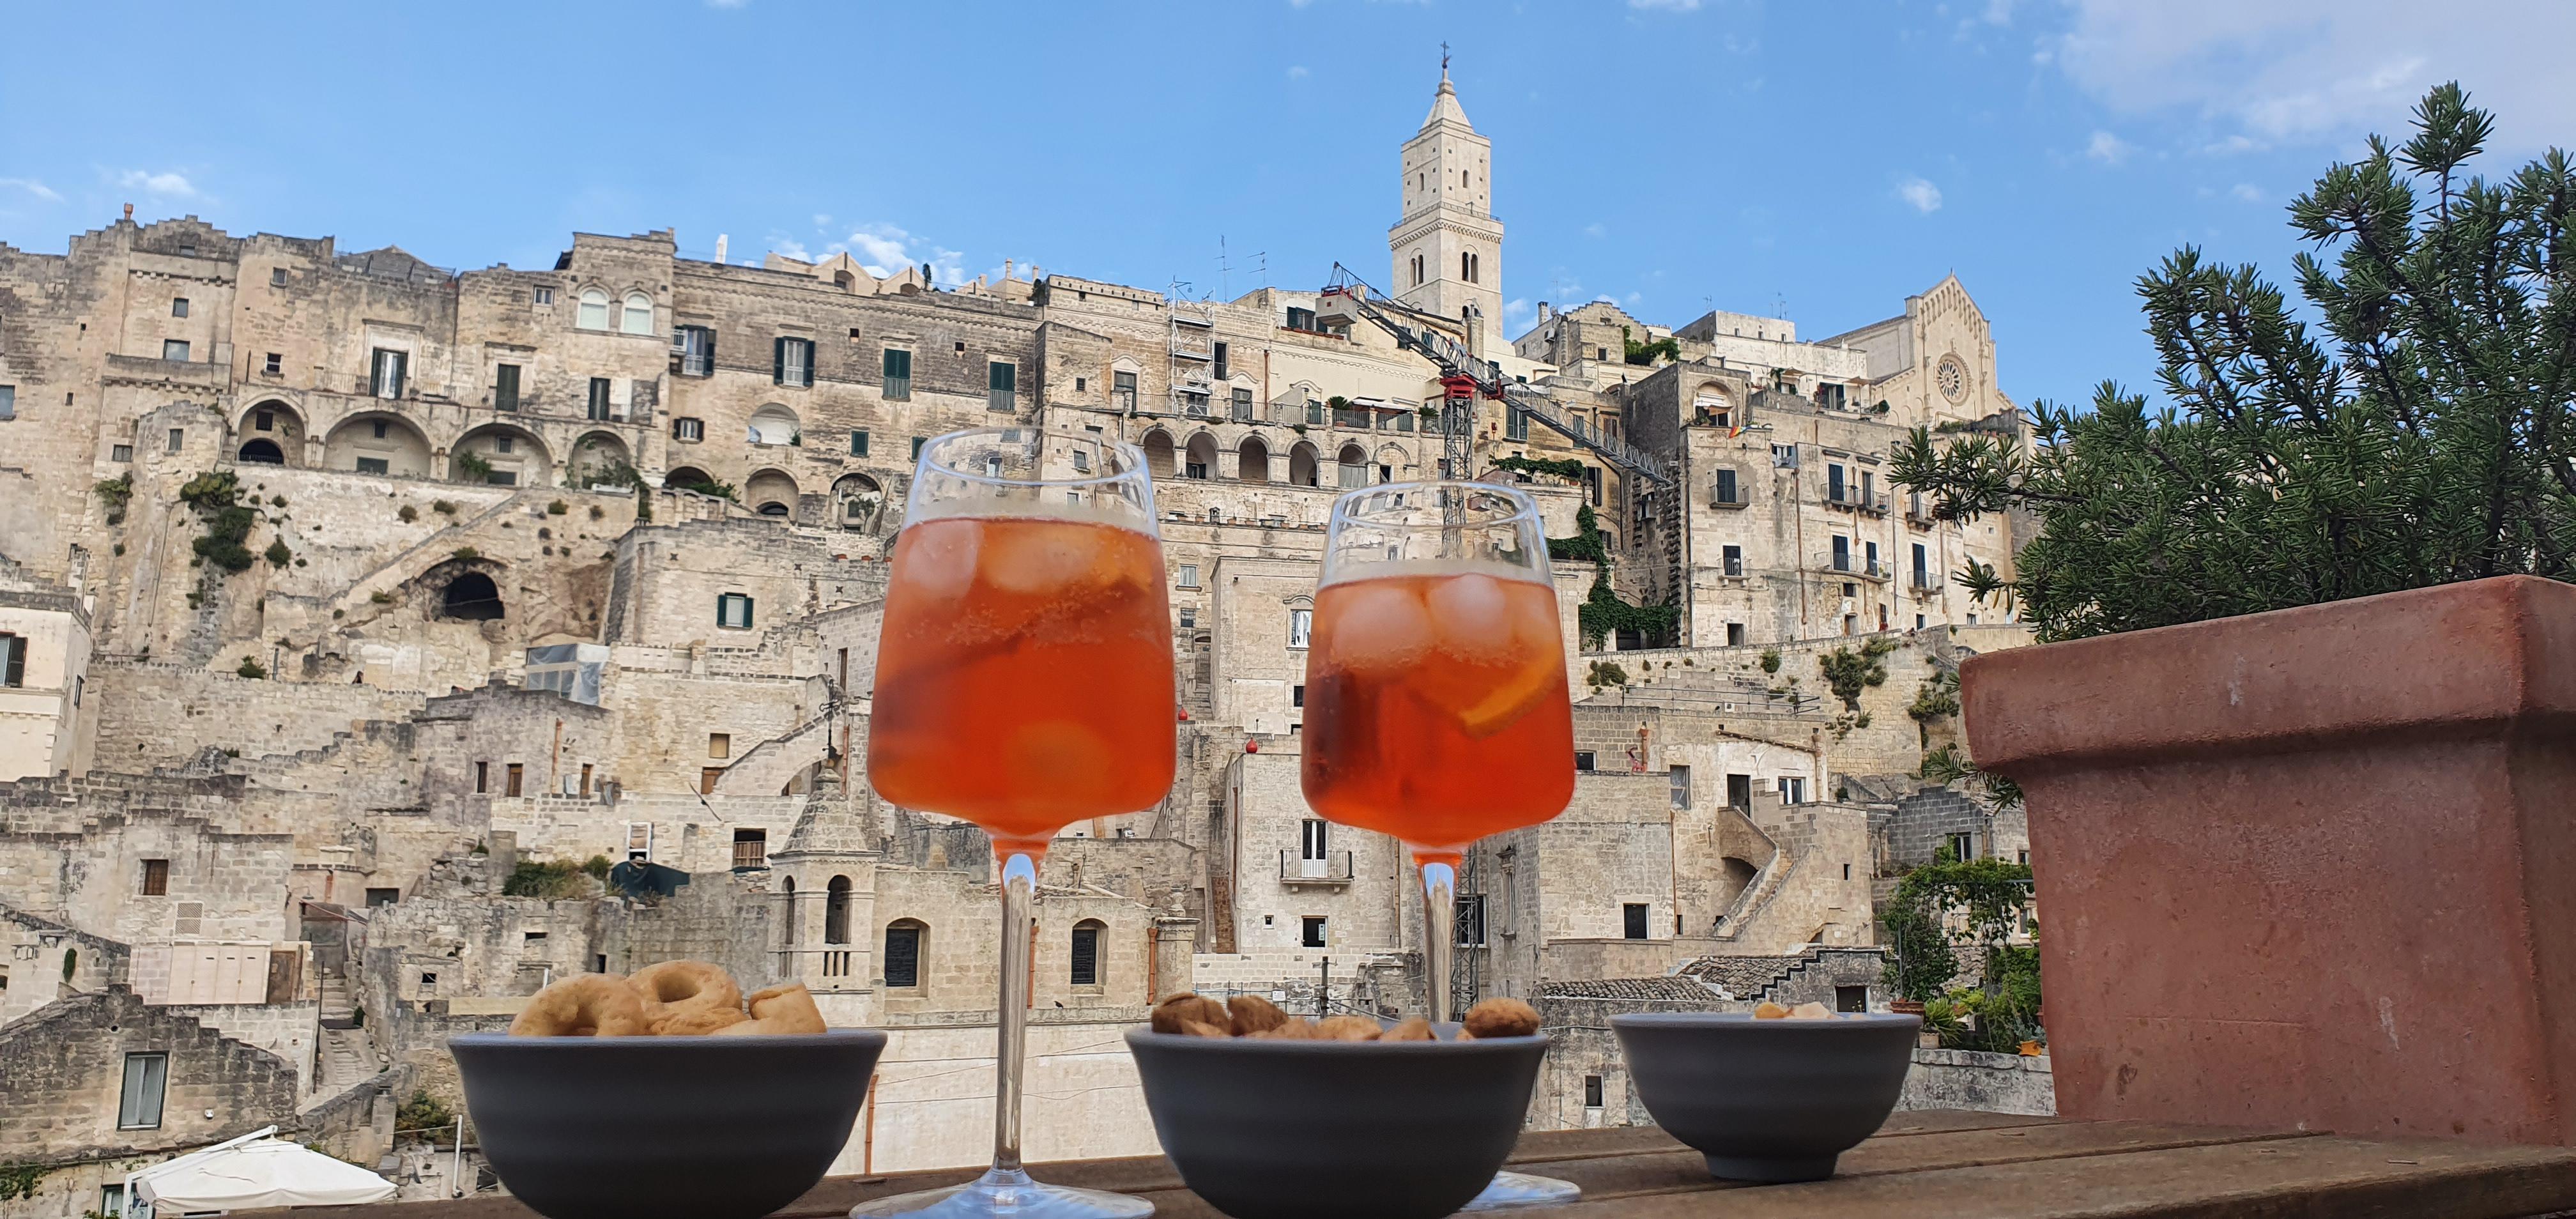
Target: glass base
[1511, 1191]
[1010, 1193]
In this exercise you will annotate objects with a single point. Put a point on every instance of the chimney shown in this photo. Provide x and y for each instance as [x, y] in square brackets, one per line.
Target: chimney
[720, 247]
[129, 213]
[1544, 313]
[1006, 270]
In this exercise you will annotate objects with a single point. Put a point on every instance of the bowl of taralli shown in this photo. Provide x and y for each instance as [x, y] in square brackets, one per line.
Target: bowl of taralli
[1775, 1094]
[665, 1094]
[1272, 1116]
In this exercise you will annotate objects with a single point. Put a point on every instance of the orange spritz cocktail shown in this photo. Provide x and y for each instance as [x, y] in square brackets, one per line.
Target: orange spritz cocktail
[1436, 703]
[1024, 674]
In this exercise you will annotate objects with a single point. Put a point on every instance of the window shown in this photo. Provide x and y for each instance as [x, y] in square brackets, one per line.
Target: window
[1681, 785]
[1189, 617]
[685, 428]
[751, 848]
[1242, 405]
[1591, 1091]
[598, 409]
[1515, 423]
[513, 776]
[177, 437]
[1001, 386]
[1959, 846]
[593, 313]
[1869, 557]
[1735, 634]
[585, 771]
[13, 660]
[1632, 919]
[1733, 556]
[1312, 935]
[1922, 567]
[1122, 390]
[380, 429]
[147, 1077]
[733, 611]
[385, 375]
[8, 401]
[275, 366]
[503, 444]
[1085, 969]
[1222, 364]
[1297, 695]
[1784, 456]
[174, 349]
[1793, 789]
[1470, 920]
[1194, 469]
[859, 443]
[1851, 998]
[277, 277]
[115, 452]
[1834, 483]
[1726, 488]
[1301, 627]
[178, 306]
[111, 1198]
[1417, 270]
[916, 447]
[482, 777]
[638, 315]
[505, 387]
[544, 298]
[792, 362]
[156, 878]
[903, 955]
[1842, 553]
[719, 744]
[693, 351]
[1739, 791]
[1583, 759]
[1188, 577]
[374, 465]
[1302, 319]
[1315, 839]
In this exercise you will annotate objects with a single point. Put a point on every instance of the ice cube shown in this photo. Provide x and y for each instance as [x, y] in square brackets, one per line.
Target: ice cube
[1473, 614]
[1034, 558]
[1372, 625]
[937, 558]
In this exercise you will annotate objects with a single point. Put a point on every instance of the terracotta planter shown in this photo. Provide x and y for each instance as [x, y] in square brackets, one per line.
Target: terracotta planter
[2309, 868]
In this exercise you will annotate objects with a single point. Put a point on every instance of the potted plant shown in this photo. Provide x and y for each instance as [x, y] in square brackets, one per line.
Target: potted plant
[2299, 749]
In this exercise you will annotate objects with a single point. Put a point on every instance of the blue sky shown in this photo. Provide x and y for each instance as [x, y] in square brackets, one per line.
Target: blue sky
[1822, 158]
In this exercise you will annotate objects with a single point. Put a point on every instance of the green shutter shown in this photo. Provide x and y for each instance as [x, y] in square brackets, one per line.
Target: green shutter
[1002, 377]
[746, 613]
[858, 444]
[778, 361]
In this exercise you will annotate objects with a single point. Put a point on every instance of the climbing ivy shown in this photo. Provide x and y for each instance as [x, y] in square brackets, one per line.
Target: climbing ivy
[1668, 347]
[1562, 467]
[19, 1180]
[1603, 614]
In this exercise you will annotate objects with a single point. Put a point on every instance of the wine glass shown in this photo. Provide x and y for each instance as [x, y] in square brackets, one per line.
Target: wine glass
[1024, 682]
[1436, 703]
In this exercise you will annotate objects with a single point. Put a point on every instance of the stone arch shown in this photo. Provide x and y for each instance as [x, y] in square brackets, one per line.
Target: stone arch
[836, 911]
[595, 456]
[1302, 461]
[637, 315]
[471, 597]
[771, 492]
[1710, 405]
[1393, 464]
[858, 504]
[1202, 457]
[276, 423]
[261, 451]
[1352, 465]
[685, 477]
[775, 423]
[1158, 453]
[1252, 460]
[1084, 963]
[377, 442]
[516, 457]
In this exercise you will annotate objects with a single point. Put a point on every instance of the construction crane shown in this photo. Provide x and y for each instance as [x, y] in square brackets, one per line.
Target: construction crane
[1466, 376]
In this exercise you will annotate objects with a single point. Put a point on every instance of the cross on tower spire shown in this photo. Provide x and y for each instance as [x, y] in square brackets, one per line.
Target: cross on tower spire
[1444, 61]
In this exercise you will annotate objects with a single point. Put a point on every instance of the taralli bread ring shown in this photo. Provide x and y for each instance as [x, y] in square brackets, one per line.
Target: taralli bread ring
[685, 990]
[779, 1009]
[590, 1005]
[695, 1024]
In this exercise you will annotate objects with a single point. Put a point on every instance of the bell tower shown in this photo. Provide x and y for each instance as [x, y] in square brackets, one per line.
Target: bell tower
[1447, 249]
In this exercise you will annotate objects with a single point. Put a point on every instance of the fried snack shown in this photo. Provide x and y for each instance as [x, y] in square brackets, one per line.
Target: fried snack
[1250, 1014]
[691, 993]
[780, 1009]
[1173, 1012]
[1768, 1010]
[1347, 1028]
[1811, 1010]
[1201, 1028]
[1499, 1018]
[1288, 1029]
[1416, 1029]
[587, 1005]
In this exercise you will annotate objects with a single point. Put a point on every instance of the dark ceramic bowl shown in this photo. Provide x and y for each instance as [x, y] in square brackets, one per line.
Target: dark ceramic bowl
[1300, 1129]
[663, 1127]
[1768, 1100]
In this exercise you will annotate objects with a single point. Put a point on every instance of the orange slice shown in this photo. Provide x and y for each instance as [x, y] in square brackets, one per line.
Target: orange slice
[1512, 697]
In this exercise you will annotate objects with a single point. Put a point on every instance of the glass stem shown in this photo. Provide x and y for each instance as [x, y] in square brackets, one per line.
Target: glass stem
[1010, 1046]
[1439, 917]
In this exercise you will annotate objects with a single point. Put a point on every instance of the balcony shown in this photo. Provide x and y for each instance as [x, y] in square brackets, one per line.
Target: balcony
[1856, 501]
[1331, 872]
[1720, 499]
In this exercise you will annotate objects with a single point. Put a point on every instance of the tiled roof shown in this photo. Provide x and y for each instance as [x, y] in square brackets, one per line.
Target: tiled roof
[1649, 989]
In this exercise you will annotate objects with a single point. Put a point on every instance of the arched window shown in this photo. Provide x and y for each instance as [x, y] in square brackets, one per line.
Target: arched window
[593, 314]
[836, 911]
[1086, 952]
[1301, 465]
[472, 598]
[639, 314]
[1354, 467]
[1252, 461]
[904, 941]
[1158, 453]
[1202, 456]
[264, 453]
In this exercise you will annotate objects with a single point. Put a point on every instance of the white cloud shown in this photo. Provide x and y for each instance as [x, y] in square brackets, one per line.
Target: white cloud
[822, 219]
[884, 249]
[1518, 310]
[168, 184]
[2107, 148]
[727, 3]
[1999, 12]
[2246, 191]
[790, 247]
[1924, 196]
[34, 187]
[1595, 229]
[2323, 70]
[1669, 6]
[1297, 72]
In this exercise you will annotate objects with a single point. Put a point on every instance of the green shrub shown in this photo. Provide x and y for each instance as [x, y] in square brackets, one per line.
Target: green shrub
[558, 508]
[408, 514]
[553, 880]
[252, 669]
[277, 554]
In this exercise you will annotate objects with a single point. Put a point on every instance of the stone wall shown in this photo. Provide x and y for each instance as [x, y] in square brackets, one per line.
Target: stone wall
[159, 714]
[62, 1071]
[1990, 1083]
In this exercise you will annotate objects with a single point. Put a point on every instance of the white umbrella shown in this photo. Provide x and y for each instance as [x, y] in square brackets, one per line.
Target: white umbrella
[258, 1173]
